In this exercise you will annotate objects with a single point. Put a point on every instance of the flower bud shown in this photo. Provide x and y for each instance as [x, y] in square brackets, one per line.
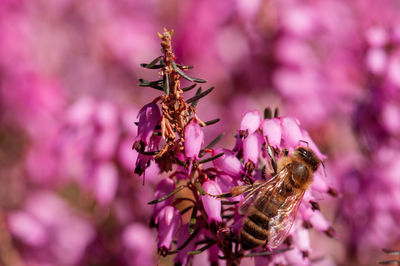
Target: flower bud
[251, 121]
[228, 163]
[212, 206]
[291, 133]
[272, 131]
[252, 147]
[149, 117]
[168, 221]
[194, 138]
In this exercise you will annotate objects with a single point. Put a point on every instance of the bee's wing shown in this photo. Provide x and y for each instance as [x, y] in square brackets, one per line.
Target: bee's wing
[280, 224]
[266, 188]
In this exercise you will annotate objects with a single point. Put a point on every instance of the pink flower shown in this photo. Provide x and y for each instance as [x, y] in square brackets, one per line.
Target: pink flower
[149, 117]
[251, 121]
[377, 36]
[228, 163]
[168, 221]
[26, 228]
[272, 131]
[165, 186]
[291, 133]
[105, 183]
[376, 60]
[139, 242]
[194, 138]
[252, 147]
[212, 205]
[319, 222]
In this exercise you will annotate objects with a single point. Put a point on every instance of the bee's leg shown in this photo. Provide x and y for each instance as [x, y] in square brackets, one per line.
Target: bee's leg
[239, 190]
[266, 247]
[270, 151]
[235, 191]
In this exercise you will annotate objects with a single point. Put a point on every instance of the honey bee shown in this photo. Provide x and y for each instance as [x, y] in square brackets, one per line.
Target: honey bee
[270, 208]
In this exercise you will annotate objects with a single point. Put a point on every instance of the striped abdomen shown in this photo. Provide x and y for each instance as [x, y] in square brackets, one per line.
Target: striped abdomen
[255, 228]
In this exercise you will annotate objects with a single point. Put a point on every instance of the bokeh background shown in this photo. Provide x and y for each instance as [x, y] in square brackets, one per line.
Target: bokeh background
[69, 97]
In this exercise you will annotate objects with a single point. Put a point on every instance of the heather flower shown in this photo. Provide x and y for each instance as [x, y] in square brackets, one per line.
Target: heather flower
[149, 116]
[168, 221]
[250, 122]
[165, 186]
[291, 134]
[272, 130]
[194, 138]
[212, 206]
[252, 147]
[228, 163]
[105, 183]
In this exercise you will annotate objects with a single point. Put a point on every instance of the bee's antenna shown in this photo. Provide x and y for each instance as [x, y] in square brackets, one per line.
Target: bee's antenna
[323, 165]
[306, 142]
[270, 151]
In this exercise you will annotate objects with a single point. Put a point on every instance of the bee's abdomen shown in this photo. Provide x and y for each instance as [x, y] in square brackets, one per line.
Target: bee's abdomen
[255, 226]
[255, 229]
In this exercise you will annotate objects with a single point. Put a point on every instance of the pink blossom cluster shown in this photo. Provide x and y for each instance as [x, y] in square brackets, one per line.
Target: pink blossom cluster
[247, 160]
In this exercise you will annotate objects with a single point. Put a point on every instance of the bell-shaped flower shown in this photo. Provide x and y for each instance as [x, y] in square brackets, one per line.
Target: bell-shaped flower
[252, 147]
[291, 133]
[212, 205]
[149, 117]
[228, 163]
[296, 257]
[272, 131]
[166, 185]
[319, 222]
[251, 121]
[301, 238]
[194, 138]
[168, 221]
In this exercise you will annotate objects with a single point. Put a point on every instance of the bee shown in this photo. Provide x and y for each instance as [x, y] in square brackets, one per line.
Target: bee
[270, 208]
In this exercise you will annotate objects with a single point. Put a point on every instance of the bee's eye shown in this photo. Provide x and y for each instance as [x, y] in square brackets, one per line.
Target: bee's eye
[303, 152]
[300, 174]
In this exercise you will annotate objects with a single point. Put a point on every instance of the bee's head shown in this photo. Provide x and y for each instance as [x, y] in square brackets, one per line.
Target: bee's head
[309, 157]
